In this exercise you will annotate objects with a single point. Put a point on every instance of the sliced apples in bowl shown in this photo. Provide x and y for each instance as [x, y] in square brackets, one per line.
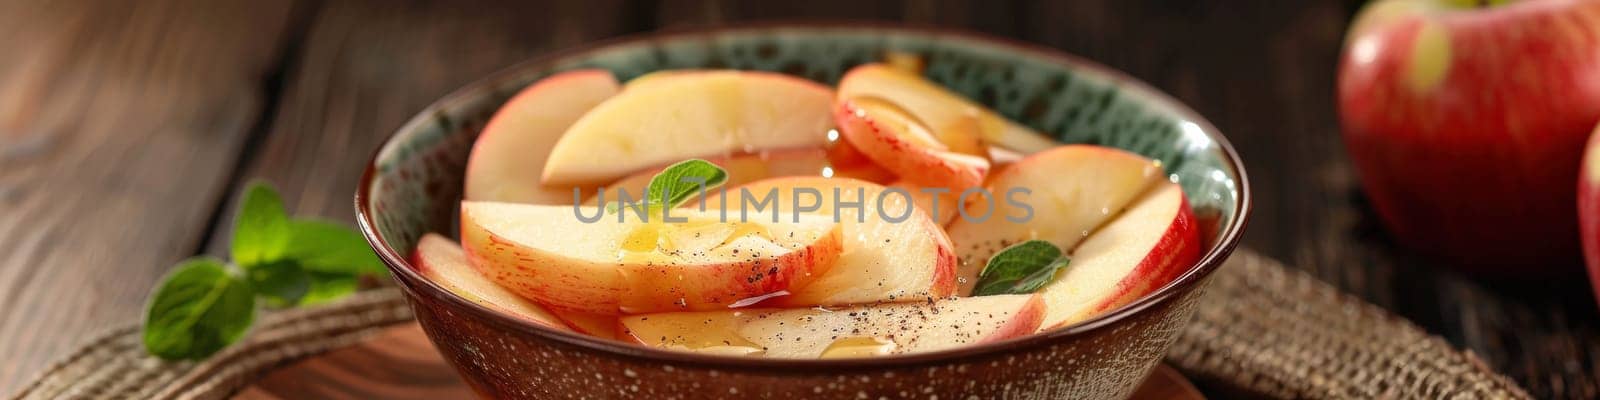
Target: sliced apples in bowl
[823, 261]
[750, 222]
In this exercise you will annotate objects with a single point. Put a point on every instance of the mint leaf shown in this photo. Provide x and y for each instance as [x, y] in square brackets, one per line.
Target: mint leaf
[202, 307]
[199, 308]
[1022, 268]
[329, 287]
[282, 283]
[683, 180]
[261, 227]
[325, 246]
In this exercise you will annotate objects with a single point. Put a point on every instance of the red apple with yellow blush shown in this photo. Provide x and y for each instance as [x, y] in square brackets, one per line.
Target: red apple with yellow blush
[1466, 121]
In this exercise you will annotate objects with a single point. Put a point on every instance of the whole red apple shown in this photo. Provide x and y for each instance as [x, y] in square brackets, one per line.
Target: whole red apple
[1589, 210]
[1467, 124]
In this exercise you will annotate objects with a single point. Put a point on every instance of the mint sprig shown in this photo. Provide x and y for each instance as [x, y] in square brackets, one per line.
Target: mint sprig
[1022, 268]
[677, 184]
[206, 304]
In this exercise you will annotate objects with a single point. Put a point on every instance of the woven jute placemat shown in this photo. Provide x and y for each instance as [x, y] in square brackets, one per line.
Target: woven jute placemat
[1262, 328]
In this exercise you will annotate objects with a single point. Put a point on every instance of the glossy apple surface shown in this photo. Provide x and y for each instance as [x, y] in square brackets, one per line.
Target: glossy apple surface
[859, 331]
[509, 156]
[1146, 247]
[443, 262]
[947, 114]
[940, 203]
[883, 260]
[687, 115]
[744, 169]
[899, 142]
[597, 325]
[1466, 125]
[548, 254]
[1070, 190]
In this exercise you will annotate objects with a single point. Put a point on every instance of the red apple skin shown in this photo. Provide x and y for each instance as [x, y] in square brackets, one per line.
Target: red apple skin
[1026, 323]
[1589, 210]
[1178, 249]
[1471, 160]
[913, 162]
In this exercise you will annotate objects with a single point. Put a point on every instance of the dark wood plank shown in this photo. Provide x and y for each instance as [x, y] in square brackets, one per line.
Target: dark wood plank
[401, 364]
[367, 66]
[398, 364]
[119, 126]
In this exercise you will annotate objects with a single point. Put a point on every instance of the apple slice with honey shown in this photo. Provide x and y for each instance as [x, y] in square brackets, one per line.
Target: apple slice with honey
[946, 113]
[856, 331]
[892, 252]
[443, 262]
[748, 168]
[691, 114]
[617, 263]
[1149, 245]
[894, 139]
[1059, 195]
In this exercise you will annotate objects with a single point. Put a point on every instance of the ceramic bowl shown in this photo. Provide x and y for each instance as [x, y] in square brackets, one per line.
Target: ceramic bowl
[414, 182]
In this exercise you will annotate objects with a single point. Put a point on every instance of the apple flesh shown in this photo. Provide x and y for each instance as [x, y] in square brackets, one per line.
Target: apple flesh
[859, 331]
[1466, 126]
[882, 260]
[443, 262]
[744, 169]
[598, 325]
[892, 138]
[509, 156]
[945, 113]
[1146, 247]
[688, 115]
[605, 267]
[940, 203]
[842, 153]
[1072, 190]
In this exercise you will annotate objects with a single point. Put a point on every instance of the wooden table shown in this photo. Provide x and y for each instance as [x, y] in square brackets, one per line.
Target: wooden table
[125, 128]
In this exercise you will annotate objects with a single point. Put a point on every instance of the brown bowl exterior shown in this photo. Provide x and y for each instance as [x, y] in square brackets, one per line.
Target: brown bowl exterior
[414, 182]
[498, 362]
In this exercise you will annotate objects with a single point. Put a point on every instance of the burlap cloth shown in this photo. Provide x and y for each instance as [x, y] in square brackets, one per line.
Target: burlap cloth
[1263, 329]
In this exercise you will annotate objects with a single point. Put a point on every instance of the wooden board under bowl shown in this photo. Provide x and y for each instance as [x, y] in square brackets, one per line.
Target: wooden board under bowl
[401, 364]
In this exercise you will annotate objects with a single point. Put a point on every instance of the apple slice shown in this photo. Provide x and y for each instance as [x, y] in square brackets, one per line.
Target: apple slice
[900, 143]
[509, 156]
[749, 168]
[1000, 156]
[607, 266]
[882, 261]
[943, 111]
[597, 325]
[1071, 190]
[842, 153]
[1146, 247]
[859, 331]
[686, 115]
[941, 204]
[443, 262]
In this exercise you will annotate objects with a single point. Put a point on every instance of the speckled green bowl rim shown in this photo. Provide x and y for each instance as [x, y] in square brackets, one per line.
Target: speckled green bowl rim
[1225, 242]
